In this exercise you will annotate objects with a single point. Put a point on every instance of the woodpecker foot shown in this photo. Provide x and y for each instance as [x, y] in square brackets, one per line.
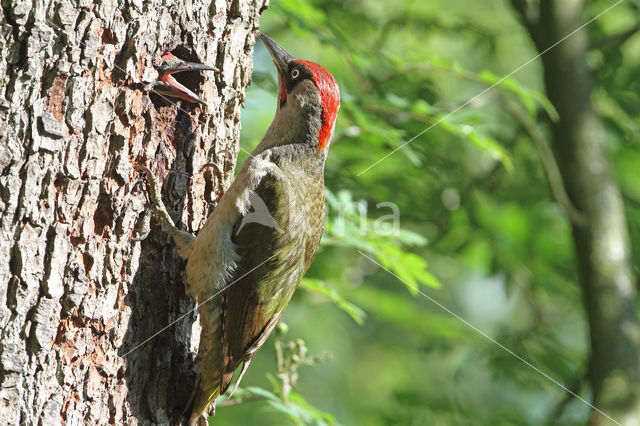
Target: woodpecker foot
[144, 227]
[183, 240]
[216, 171]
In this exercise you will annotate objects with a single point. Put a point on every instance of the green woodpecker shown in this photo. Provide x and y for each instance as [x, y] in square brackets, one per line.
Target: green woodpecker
[264, 232]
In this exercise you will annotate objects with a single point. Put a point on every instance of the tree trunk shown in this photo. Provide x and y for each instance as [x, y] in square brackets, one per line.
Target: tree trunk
[602, 241]
[78, 293]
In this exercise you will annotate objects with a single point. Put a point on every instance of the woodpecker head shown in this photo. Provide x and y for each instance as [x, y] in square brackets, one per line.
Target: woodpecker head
[308, 99]
[169, 86]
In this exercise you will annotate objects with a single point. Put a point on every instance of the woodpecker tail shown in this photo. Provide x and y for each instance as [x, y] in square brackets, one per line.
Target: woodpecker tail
[210, 382]
[202, 403]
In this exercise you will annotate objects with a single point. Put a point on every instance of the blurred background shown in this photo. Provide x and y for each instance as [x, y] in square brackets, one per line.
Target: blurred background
[476, 216]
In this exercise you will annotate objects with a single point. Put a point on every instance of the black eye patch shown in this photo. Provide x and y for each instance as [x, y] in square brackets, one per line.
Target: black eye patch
[302, 74]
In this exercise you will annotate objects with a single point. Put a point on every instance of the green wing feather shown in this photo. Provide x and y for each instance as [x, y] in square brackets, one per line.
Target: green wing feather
[272, 263]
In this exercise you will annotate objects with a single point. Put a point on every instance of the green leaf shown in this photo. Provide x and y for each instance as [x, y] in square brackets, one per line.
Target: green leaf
[319, 287]
[483, 142]
[409, 267]
[311, 413]
[257, 391]
[528, 97]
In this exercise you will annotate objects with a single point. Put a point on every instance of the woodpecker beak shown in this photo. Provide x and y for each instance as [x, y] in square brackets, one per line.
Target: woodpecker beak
[169, 86]
[174, 65]
[280, 56]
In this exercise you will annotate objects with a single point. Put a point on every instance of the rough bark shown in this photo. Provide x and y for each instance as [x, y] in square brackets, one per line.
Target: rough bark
[77, 291]
[602, 242]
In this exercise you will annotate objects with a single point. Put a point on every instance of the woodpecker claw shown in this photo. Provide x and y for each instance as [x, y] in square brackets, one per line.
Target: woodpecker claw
[169, 86]
[182, 239]
[144, 228]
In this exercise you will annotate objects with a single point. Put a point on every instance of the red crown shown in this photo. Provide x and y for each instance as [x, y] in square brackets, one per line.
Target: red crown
[330, 98]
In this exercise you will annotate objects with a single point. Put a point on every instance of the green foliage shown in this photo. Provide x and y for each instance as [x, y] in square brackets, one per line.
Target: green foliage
[283, 399]
[479, 229]
[319, 287]
[347, 226]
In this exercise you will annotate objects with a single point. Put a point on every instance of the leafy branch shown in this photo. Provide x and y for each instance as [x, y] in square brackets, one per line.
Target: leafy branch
[290, 356]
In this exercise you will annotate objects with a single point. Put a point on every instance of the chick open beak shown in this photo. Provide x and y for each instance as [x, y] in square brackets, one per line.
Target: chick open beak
[169, 86]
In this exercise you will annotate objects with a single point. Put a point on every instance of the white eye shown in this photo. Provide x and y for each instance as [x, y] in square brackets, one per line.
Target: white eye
[295, 73]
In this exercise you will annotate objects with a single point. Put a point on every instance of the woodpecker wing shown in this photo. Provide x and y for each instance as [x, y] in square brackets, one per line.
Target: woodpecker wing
[271, 261]
[253, 305]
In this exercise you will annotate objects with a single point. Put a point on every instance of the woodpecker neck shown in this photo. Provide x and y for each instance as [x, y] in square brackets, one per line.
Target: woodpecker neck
[298, 122]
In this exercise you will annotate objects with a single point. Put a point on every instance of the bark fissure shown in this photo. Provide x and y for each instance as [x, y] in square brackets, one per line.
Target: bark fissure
[77, 292]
